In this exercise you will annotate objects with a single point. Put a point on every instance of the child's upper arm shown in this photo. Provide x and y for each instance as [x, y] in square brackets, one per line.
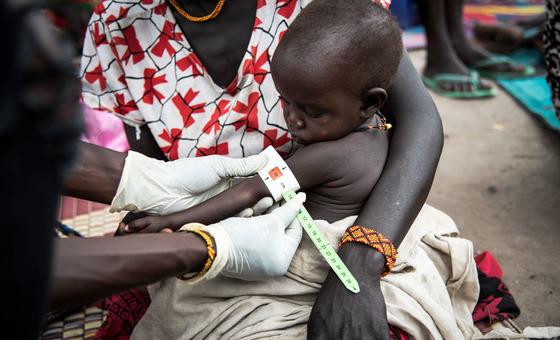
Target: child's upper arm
[351, 157]
[315, 164]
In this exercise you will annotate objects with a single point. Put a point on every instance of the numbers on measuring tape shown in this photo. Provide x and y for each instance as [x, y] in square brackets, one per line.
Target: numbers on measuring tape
[324, 247]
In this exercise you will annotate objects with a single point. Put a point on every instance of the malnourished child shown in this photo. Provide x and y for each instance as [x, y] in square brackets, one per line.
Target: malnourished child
[331, 70]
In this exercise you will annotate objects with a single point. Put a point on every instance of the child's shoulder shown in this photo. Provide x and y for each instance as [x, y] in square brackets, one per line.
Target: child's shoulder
[353, 155]
[362, 144]
[363, 147]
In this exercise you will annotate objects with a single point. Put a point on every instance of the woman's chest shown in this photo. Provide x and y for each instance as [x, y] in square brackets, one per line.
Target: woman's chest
[188, 113]
[220, 43]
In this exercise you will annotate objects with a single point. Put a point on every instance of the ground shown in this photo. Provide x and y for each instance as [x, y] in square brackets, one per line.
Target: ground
[499, 179]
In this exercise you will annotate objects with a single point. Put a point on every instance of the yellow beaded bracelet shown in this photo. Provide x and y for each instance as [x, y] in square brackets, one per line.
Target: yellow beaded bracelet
[211, 249]
[374, 239]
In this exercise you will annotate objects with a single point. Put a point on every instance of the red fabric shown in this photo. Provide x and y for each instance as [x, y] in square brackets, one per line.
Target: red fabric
[486, 263]
[124, 312]
[495, 302]
[396, 333]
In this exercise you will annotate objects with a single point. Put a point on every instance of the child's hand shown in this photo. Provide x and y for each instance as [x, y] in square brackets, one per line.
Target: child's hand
[141, 222]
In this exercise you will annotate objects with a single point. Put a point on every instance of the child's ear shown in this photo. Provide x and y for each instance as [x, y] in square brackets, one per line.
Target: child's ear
[373, 100]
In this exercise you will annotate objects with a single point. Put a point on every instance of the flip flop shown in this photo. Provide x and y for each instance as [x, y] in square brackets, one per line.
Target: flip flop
[434, 83]
[482, 65]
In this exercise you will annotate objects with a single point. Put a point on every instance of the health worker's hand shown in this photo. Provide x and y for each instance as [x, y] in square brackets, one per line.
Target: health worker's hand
[259, 247]
[159, 188]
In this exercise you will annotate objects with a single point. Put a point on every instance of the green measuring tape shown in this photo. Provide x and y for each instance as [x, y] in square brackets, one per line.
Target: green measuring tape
[324, 246]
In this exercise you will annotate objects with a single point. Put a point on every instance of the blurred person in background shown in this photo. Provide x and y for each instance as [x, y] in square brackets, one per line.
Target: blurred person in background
[454, 65]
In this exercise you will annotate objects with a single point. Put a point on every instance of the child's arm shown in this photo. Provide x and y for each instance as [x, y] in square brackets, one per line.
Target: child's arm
[312, 166]
[226, 204]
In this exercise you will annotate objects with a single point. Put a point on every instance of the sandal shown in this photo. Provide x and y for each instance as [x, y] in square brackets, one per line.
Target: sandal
[434, 83]
[482, 68]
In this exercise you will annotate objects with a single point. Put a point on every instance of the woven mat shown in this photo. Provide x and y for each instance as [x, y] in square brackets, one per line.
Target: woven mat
[95, 223]
[83, 323]
[80, 324]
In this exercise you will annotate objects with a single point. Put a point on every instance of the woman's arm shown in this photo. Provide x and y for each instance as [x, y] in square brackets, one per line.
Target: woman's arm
[393, 205]
[414, 152]
[96, 174]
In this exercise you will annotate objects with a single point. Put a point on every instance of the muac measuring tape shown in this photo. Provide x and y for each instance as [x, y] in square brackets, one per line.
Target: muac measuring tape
[282, 183]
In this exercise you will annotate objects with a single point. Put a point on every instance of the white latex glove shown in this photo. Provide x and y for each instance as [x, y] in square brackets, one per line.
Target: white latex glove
[158, 187]
[256, 248]
[258, 209]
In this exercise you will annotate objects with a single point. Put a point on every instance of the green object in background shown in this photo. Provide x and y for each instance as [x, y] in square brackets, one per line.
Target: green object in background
[435, 84]
[328, 252]
[482, 67]
[535, 95]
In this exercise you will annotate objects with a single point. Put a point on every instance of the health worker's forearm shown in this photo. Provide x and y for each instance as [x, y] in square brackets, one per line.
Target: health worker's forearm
[414, 152]
[96, 174]
[89, 269]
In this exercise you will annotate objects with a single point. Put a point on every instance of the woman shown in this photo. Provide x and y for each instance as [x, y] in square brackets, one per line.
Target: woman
[192, 78]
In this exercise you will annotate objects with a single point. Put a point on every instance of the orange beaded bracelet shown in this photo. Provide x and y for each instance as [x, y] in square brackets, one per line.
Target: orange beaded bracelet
[374, 239]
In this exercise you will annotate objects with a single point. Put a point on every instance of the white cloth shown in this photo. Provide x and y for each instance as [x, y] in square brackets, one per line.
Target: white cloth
[430, 294]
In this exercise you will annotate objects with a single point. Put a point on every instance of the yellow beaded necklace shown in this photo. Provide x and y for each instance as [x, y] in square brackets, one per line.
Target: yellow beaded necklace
[189, 17]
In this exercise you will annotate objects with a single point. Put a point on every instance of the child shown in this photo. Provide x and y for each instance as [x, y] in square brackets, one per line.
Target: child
[331, 70]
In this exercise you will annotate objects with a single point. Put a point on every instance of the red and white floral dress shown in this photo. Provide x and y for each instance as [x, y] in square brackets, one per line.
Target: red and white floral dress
[139, 65]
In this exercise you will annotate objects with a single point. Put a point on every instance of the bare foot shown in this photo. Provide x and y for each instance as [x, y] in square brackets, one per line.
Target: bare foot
[470, 54]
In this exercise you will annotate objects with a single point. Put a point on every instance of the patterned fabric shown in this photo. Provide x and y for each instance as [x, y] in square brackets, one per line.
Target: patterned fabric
[551, 40]
[495, 302]
[374, 239]
[124, 312]
[138, 64]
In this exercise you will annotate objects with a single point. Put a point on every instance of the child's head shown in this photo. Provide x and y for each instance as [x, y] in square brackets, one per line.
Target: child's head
[333, 67]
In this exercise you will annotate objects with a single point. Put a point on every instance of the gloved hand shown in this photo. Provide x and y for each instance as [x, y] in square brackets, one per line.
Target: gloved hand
[158, 187]
[257, 247]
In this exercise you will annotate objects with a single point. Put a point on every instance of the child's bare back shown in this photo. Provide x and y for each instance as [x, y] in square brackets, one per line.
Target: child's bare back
[347, 170]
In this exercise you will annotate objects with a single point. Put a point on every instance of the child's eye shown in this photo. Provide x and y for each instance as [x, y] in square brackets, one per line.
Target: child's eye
[313, 114]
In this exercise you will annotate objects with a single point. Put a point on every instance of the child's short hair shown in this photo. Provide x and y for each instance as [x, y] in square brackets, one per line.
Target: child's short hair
[363, 37]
